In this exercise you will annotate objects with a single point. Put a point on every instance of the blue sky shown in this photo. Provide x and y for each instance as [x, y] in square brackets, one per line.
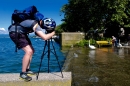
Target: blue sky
[49, 8]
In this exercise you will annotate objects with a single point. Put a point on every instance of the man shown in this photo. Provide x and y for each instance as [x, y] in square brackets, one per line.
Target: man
[24, 43]
[114, 41]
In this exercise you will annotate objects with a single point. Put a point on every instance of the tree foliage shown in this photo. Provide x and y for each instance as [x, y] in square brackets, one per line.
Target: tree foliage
[82, 15]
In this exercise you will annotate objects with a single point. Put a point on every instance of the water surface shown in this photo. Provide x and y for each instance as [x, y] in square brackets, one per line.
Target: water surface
[100, 67]
[11, 62]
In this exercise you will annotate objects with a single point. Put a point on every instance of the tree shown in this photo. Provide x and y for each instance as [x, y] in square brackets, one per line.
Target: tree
[82, 15]
[58, 29]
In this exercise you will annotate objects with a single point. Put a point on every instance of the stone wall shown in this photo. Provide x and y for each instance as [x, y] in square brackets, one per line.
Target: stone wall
[71, 38]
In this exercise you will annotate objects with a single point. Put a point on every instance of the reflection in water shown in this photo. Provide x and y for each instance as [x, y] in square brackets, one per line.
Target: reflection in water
[93, 68]
[91, 57]
[102, 55]
[121, 52]
[75, 55]
[101, 67]
[92, 54]
[93, 79]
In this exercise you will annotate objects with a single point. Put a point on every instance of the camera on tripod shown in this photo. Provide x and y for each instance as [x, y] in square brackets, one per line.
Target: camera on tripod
[49, 24]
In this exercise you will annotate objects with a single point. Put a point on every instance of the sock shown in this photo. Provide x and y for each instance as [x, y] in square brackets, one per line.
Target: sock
[27, 70]
[22, 72]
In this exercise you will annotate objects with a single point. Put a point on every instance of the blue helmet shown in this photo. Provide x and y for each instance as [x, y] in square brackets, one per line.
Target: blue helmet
[49, 24]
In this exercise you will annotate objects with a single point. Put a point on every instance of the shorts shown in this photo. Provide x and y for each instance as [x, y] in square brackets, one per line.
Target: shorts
[21, 40]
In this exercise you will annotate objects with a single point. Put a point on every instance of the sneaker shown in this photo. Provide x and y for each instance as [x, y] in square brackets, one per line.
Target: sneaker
[29, 72]
[25, 77]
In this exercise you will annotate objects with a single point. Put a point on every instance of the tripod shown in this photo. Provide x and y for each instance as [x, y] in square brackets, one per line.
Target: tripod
[47, 44]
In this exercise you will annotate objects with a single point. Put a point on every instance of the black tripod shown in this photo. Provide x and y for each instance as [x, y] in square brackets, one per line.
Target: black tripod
[47, 44]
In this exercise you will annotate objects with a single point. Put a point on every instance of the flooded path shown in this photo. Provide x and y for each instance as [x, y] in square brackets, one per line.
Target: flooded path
[100, 67]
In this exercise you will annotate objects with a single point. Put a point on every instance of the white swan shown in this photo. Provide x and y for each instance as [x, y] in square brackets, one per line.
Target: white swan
[119, 44]
[91, 46]
[126, 44]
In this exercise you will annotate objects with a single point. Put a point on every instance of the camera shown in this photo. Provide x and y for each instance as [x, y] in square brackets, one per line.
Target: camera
[49, 24]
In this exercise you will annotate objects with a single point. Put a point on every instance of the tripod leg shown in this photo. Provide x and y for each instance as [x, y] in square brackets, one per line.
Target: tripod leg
[48, 54]
[41, 59]
[56, 57]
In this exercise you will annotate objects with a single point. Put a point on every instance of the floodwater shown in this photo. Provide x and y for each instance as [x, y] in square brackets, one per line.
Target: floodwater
[100, 67]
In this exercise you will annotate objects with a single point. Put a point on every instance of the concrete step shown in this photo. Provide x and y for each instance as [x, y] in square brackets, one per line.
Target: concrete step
[44, 79]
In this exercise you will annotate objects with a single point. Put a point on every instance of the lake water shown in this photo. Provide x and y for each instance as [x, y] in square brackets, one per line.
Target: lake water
[10, 61]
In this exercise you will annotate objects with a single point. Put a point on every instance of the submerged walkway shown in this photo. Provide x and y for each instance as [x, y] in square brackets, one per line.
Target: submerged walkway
[99, 67]
[44, 79]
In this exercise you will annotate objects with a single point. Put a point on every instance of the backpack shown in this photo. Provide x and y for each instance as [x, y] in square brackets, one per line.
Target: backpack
[21, 15]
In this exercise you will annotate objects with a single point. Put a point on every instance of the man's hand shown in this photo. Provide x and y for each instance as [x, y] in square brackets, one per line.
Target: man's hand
[49, 31]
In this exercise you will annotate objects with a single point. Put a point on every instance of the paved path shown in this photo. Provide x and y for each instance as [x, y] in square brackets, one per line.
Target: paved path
[44, 79]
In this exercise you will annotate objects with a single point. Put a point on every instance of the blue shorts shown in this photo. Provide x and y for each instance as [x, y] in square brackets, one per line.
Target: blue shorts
[21, 40]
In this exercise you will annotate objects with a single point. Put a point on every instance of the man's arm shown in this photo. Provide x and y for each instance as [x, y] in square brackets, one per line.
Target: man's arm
[37, 29]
